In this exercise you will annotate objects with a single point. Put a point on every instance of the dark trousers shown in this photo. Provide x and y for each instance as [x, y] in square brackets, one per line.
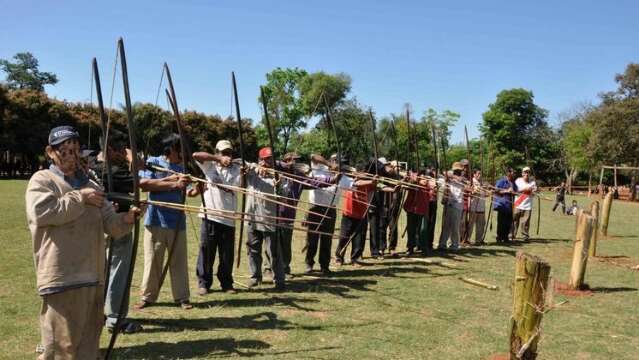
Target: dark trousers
[504, 223]
[377, 233]
[286, 239]
[561, 202]
[413, 229]
[355, 229]
[273, 247]
[429, 227]
[324, 241]
[215, 238]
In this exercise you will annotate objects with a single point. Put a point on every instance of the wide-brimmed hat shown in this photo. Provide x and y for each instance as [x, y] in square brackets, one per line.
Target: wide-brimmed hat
[457, 166]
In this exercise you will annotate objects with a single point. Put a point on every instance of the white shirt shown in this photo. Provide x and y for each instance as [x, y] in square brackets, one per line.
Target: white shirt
[455, 192]
[328, 196]
[478, 202]
[216, 198]
[524, 201]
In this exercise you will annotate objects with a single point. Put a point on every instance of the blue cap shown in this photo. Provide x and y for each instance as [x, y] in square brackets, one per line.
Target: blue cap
[60, 134]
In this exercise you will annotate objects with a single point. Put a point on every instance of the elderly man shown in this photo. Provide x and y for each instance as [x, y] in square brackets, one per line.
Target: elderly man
[68, 218]
[217, 233]
[453, 207]
[524, 203]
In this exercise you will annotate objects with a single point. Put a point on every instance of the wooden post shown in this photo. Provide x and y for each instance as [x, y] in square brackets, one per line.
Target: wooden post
[615, 175]
[594, 211]
[580, 251]
[605, 213]
[529, 292]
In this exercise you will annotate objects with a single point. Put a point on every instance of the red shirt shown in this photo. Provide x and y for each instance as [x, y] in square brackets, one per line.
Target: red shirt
[356, 202]
[417, 201]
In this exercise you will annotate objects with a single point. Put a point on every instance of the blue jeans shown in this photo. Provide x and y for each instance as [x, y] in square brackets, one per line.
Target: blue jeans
[116, 290]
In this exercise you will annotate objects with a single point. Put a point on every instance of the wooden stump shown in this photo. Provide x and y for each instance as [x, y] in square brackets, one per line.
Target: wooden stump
[605, 213]
[580, 251]
[594, 211]
[529, 293]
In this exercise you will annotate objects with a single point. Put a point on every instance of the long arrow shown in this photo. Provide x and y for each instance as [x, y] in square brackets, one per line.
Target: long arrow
[243, 178]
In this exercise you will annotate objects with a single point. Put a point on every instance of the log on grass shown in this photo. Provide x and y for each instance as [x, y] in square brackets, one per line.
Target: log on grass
[529, 294]
[605, 213]
[594, 211]
[580, 251]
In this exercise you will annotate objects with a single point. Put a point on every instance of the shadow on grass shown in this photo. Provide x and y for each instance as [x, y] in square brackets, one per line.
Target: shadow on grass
[337, 285]
[601, 289]
[294, 302]
[224, 347]
[259, 321]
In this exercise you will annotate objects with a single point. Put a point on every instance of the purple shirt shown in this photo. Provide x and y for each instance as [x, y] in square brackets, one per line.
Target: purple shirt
[293, 190]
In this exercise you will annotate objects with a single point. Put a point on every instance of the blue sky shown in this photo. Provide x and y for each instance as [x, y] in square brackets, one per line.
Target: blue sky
[447, 55]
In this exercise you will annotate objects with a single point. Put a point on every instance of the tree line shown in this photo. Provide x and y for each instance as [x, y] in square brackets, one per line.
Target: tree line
[514, 130]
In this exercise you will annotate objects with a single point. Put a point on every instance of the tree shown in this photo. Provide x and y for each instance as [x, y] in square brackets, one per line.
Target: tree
[24, 73]
[286, 112]
[320, 86]
[516, 126]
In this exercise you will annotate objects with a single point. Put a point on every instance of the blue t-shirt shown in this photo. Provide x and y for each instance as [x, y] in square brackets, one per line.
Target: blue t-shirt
[505, 201]
[161, 216]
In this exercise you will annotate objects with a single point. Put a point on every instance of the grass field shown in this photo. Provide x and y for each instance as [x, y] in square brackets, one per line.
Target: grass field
[395, 308]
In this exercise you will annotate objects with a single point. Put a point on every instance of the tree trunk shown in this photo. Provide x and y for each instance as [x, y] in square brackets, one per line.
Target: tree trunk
[594, 211]
[605, 213]
[580, 251]
[529, 292]
[589, 183]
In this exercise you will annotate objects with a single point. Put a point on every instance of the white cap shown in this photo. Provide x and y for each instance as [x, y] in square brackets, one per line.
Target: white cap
[223, 145]
[526, 168]
[383, 160]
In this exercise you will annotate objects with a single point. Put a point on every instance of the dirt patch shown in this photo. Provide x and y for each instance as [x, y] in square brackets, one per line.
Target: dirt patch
[563, 289]
[619, 260]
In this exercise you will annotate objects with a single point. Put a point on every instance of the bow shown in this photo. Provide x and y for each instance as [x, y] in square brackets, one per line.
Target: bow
[243, 180]
[538, 197]
[107, 161]
[185, 155]
[136, 192]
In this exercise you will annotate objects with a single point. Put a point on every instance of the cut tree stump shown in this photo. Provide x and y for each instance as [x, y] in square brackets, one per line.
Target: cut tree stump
[594, 211]
[580, 251]
[529, 293]
[605, 213]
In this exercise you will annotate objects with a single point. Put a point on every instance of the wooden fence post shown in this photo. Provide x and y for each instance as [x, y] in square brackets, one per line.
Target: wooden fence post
[529, 293]
[605, 213]
[594, 211]
[580, 251]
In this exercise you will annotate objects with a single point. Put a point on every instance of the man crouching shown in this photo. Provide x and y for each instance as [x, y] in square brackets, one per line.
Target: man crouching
[68, 217]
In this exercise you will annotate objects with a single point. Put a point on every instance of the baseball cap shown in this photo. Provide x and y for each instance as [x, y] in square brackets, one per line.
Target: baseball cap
[291, 156]
[458, 166]
[223, 145]
[265, 152]
[382, 161]
[60, 134]
[525, 169]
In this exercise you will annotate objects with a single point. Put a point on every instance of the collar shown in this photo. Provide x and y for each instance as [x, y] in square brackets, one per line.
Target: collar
[80, 179]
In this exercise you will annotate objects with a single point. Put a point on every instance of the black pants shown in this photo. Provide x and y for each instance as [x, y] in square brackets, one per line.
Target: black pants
[431, 221]
[324, 241]
[377, 232]
[286, 239]
[220, 238]
[413, 227]
[504, 223]
[355, 229]
[274, 250]
[559, 201]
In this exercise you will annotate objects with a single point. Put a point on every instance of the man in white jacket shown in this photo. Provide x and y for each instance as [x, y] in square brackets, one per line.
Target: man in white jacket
[523, 203]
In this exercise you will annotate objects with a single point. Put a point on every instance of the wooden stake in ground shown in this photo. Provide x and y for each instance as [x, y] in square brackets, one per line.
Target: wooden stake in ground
[529, 293]
[580, 251]
[594, 211]
[605, 213]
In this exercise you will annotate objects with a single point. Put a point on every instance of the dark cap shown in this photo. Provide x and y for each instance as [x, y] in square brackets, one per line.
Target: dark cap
[60, 134]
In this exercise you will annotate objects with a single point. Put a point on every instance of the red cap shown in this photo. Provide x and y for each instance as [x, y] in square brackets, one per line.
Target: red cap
[265, 152]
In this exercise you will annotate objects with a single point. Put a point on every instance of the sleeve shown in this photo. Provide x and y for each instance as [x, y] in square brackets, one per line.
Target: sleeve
[44, 208]
[346, 182]
[147, 173]
[114, 224]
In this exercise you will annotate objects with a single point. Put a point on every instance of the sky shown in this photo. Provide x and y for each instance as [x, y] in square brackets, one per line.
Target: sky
[455, 55]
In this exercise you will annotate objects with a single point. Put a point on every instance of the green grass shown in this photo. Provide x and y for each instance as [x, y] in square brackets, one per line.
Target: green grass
[396, 308]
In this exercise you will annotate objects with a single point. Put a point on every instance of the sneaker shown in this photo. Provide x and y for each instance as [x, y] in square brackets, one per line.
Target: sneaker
[326, 272]
[339, 261]
[186, 305]
[230, 291]
[308, 270]
[280, 287]
[141, 305]
[253, 283]
[202, 291]
[356, 264]
[127, 327]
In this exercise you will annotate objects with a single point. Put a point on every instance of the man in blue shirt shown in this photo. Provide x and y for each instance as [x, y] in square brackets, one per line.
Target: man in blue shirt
[503, 204]
[160, 227]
